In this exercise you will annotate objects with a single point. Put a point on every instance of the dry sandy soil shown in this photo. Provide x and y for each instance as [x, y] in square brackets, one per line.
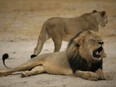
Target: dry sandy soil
[20, 24]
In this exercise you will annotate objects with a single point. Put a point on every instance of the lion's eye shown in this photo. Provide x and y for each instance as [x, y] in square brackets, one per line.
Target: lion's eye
[93, 40]
[77, 45]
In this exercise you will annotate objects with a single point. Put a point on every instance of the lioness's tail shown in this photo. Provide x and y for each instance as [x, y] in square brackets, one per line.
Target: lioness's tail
[43, 37]
[4, 57]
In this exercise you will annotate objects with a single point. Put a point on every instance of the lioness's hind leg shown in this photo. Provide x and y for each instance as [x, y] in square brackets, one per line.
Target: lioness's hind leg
[36, 70]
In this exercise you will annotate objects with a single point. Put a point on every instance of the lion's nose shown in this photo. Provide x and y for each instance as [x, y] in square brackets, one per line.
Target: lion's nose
[101, 43]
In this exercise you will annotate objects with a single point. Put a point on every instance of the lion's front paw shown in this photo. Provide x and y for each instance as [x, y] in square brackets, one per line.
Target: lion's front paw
[100, 74]
[102, 77]
[87, 75]
[105, 77]
[92, 76]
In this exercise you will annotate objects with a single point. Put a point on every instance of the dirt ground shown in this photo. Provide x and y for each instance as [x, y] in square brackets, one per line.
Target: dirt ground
[20, 24]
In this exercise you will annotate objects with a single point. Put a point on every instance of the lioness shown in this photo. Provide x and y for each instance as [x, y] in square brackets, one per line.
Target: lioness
[83, 58]
[60, 29]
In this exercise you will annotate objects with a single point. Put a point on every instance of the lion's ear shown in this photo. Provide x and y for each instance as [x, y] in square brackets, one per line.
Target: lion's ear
[80, 40]
[94, 11]
[103, 13]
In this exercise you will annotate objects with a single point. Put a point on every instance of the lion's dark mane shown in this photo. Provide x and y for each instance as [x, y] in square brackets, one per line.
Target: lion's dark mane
[78, 63]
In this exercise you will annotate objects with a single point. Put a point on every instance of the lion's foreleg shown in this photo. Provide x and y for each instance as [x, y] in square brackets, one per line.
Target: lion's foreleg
[87, 75]
[36, 70]
[98, 75]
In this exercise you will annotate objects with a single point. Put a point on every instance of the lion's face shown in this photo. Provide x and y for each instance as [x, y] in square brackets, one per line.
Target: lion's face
[101, 18]
[91, 46]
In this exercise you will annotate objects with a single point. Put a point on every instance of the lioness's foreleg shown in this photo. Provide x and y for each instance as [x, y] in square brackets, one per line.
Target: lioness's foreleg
[36, 70]
[57, 42]
[57, 45]
[91, 75]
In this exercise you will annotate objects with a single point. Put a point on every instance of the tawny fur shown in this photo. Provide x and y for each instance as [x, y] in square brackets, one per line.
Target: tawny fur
[60, 29]
[76, 60]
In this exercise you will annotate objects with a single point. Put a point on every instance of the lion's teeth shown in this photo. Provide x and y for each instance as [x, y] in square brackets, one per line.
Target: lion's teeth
[98, 53]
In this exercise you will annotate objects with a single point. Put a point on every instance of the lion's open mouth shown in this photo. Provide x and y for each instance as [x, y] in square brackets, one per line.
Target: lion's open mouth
[97, 52]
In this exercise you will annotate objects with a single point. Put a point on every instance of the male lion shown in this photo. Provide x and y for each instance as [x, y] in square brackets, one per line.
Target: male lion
[83, 58]
[60, 29]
